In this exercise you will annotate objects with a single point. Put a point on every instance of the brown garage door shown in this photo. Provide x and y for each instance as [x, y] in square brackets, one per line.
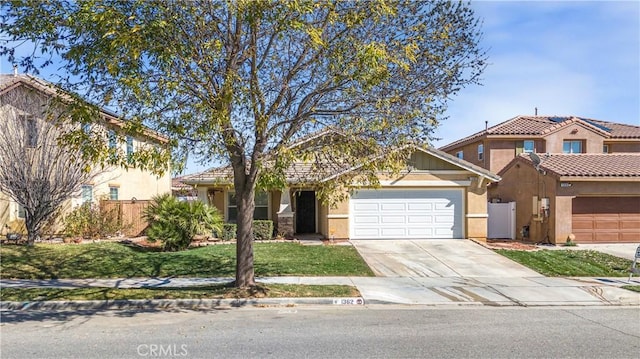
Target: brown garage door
[606, 219]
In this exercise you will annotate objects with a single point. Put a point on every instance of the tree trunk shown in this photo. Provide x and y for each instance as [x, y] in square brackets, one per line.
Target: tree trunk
[244, 246]
[31, 231]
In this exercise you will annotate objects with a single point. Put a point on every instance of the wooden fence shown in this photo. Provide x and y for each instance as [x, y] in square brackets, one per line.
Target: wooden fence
[130, 214]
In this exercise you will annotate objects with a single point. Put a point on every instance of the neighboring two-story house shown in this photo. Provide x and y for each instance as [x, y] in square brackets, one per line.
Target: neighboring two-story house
[113, 183]
[571, 177]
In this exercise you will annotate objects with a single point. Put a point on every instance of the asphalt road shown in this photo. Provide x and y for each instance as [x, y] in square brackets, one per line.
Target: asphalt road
[326, 332]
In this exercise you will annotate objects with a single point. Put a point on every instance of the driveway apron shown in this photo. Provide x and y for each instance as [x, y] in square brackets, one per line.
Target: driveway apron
[437, 258]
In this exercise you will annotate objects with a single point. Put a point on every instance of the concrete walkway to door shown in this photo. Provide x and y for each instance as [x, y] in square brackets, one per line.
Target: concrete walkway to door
[437, 258]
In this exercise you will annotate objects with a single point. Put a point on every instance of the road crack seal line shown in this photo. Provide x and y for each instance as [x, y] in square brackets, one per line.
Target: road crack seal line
[513, 300]
[600, 324]
[596, 292]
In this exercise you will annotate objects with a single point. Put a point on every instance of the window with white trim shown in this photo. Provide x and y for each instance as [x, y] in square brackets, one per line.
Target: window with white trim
[528, 146]
[480, 152]
[87, 194]
[605, 148]
[460, 155]
[31, 131]
[262, 206]
[572, 146]
[22, 214]
[129, 147]
[113, 193]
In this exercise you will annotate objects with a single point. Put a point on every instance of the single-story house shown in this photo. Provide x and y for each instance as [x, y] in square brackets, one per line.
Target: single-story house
[437, 196]
[589, 197]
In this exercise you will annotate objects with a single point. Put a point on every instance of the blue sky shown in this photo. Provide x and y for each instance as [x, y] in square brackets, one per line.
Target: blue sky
[564, 57]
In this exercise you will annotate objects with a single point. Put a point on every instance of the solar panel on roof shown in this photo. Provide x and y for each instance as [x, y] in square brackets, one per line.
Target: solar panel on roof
[596, 124]
[557, 119]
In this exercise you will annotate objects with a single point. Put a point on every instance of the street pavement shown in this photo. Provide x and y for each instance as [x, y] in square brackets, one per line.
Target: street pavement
[431, 273]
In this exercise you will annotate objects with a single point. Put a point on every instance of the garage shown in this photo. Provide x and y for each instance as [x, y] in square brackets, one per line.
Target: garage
[406, 214]
[606, 219]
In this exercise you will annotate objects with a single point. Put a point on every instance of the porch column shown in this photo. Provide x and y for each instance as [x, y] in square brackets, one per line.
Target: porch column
[285, 215]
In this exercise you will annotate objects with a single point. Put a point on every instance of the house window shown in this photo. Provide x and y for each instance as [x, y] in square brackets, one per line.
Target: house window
[572, 146]
[113, 193]
[605, 148]
[460, 155]
[480, 152]
[113, 140]
[262, 207]
[32, 131]
[87, 194]
[22, 214]
[129, 147]
[528, 146]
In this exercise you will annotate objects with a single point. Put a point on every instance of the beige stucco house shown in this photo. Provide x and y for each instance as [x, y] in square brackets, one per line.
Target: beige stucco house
[587, 185]
[440, 196]
[114, 183]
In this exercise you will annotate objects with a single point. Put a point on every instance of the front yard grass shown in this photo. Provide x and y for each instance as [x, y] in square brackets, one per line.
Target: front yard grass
[116, 260]
[570, 263]
[203, 292]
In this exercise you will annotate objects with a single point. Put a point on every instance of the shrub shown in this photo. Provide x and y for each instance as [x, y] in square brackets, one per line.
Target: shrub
[88, 221]
[229, 231]
[176, 223]
[262, 230]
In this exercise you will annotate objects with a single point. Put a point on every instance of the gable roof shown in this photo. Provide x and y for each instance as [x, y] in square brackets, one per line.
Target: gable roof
[534, 126]
[587, 166]
[9, 82]
[304, 172]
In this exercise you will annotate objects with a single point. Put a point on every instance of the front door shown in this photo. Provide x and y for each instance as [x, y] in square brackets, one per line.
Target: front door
[306, 212]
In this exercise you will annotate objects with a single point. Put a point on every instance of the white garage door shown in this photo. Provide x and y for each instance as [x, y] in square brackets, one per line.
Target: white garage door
[406, 214]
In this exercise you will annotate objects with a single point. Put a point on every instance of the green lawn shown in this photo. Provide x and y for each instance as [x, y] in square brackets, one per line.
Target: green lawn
[570, 263]
[204, 292]
[115, 260]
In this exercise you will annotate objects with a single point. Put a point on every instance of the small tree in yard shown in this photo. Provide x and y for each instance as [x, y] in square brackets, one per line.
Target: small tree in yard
[35, 170]
[175, 223]
[240, 81]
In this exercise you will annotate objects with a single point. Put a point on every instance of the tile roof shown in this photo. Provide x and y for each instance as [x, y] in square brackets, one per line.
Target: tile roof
[10, 81]
[324, 169]
[541, 125]
[596, 165]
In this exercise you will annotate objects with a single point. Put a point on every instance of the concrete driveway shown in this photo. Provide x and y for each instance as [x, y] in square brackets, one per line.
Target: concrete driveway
[437, 258]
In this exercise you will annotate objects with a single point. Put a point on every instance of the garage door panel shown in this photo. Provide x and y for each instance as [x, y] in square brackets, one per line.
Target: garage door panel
[367, 207]
[393, 206]
[420, 207]
[419, 219]
[415, 214]
[367, 219]
[606, 219]
[367, 233]
[420, 232]
[393, 232]
[393, 219]
[630, 236]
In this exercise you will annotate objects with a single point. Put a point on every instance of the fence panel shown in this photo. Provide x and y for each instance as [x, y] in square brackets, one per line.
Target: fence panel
[130, 214]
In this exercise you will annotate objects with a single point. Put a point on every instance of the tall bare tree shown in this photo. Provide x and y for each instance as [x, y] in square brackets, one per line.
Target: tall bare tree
[36, 171]
[239, 81]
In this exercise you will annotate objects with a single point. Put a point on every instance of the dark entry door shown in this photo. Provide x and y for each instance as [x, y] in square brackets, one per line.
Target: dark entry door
[306, 212]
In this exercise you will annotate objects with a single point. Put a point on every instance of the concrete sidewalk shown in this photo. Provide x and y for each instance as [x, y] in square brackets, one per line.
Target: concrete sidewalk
[429, 291]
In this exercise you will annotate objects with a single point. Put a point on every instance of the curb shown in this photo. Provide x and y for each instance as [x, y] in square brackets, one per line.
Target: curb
[169, 304]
